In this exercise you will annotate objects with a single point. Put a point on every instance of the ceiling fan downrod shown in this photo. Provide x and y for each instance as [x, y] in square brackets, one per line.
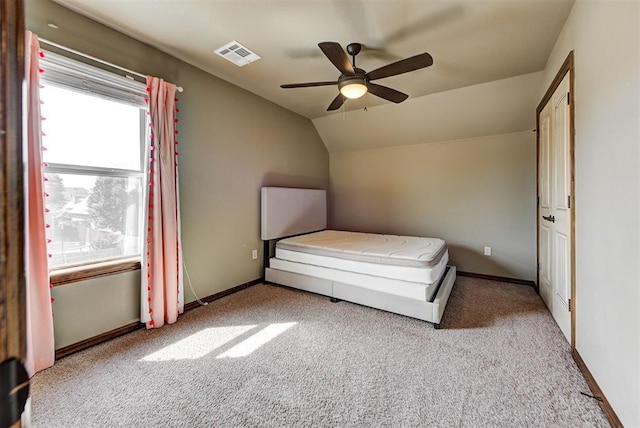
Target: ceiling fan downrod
[353, 49]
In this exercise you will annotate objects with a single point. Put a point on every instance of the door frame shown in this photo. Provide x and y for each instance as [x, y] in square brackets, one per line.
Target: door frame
[12, 280]
[12, 276]
[567, 67]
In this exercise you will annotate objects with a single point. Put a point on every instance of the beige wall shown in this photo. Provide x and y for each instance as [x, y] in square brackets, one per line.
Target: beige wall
[606, 40]
[459, 165]
[92, 307]
[472, 193]
[231, 143]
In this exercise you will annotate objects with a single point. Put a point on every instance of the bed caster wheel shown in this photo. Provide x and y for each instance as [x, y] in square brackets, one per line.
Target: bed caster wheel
[334, 300]
[436, 326]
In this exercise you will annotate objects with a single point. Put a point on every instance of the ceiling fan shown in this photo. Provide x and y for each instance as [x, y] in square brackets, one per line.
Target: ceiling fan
[354, 82]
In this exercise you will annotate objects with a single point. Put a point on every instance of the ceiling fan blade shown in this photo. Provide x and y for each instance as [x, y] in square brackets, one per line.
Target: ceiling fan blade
[387, 93]
[307, 85]
[337, 56]
[403, 66]
[336, 103]
[377, 52]
[434, 19]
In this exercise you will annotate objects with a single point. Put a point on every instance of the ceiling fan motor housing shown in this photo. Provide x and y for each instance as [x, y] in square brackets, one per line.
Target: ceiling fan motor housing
[358, 78]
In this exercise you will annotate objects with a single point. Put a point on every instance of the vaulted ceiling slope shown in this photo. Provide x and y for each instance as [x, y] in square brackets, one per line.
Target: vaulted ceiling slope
[500, 107]
[471, 41]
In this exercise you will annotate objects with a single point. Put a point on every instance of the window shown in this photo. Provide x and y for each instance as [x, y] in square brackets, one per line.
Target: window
[95, 132]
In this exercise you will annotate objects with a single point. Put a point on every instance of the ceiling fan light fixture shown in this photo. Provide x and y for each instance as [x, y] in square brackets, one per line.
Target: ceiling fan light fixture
[353, 87]
[353, 90]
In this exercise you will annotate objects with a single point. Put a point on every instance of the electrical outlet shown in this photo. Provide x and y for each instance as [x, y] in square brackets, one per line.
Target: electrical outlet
[487, 251]
[254, 254]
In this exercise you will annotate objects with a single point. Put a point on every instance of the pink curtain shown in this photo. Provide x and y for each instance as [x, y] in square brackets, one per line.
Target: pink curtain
[40, 346]
[162, 287]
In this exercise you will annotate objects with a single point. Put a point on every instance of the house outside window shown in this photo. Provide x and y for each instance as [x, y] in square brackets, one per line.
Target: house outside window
[95, 127]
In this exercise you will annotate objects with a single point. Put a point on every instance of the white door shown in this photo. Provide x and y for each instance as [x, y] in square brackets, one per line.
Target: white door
[554, 207]
[544, 206]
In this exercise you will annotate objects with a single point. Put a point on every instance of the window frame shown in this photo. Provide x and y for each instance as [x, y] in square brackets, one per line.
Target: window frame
[93, 270]
[79, 71]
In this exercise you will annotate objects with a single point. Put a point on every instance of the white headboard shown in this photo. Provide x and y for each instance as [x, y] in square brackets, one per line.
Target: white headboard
[287, 211]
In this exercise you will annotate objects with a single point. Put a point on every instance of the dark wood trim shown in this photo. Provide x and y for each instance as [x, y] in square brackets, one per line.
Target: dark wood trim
[12, 276]
[567, 67]
[220, 295]
[538, 196]
[596, 391]
[12, 280]
[94, 270]
[537, 202]
[572, 115]
[96, 340]
[497, 278]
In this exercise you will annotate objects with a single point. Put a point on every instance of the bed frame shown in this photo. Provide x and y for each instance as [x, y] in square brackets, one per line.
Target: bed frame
[287, 212]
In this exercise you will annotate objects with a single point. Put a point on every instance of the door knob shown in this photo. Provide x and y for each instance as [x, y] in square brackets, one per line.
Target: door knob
[550, 218]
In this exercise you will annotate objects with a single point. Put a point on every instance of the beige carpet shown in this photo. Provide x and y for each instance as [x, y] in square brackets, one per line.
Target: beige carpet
[272, 356]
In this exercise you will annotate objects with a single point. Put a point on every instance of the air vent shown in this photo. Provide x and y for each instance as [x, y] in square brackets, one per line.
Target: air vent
[237, 54]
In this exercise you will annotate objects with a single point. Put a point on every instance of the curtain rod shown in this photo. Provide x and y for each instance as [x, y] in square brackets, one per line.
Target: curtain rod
[82, 54]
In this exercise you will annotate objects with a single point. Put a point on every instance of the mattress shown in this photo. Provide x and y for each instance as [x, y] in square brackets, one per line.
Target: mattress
[425, 275]
[412, 290]
[400, 265]
[408, 251]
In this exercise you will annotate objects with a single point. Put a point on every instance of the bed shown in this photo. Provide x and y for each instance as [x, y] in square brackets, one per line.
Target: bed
[406, 275]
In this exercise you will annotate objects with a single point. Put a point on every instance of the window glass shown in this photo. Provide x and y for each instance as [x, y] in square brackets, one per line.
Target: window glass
[83, 129]
[92, 218]
[94, 167]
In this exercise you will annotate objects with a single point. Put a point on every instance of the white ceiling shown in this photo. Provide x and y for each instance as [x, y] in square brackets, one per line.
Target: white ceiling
[471, 41]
